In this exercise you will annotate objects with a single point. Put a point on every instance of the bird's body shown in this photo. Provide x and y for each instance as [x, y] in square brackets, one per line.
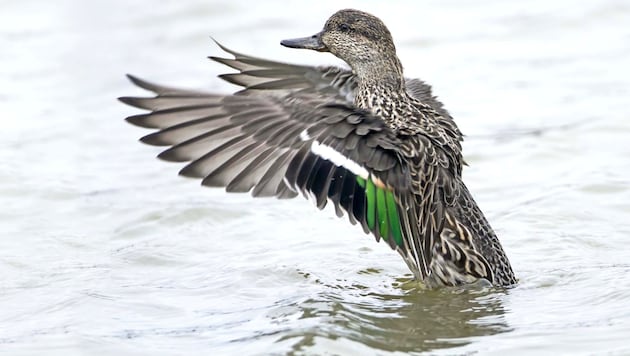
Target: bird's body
[378, 146]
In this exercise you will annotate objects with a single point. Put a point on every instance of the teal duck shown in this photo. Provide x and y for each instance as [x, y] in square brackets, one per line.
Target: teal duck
[376, 145]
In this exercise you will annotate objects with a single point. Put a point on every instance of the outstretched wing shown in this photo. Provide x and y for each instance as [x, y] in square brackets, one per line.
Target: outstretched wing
[282, 146]
[262, 74]
[257, 74]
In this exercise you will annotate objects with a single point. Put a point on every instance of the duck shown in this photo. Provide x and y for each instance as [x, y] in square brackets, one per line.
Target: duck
[378, 146]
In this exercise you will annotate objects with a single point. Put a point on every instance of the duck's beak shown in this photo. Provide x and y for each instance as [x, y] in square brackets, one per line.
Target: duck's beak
[314, 42]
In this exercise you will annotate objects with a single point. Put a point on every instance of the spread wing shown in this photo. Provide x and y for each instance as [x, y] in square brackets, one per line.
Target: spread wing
[282, 146]
[257, 74]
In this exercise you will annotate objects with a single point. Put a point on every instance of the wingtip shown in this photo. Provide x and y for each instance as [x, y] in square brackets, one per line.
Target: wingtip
[215, 41]
[220, 45]
[139, 120]
[139, 82]
[225, 49]
[132, 78]
[220, 60]
[136, 102]
[127, 100]
[133, 120]
[153, 139]
[231, 78]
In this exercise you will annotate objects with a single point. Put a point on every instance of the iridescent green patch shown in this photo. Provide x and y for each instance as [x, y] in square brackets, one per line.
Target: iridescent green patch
[394, 220]
[381, 210]
[381, 207]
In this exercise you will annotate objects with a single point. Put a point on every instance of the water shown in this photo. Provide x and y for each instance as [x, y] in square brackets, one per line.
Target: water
[104, 250]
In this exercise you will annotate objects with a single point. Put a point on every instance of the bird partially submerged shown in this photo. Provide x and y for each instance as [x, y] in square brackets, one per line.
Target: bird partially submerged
[378, 146]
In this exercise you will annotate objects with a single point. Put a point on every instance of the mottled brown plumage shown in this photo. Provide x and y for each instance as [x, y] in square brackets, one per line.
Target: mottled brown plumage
[378, 146]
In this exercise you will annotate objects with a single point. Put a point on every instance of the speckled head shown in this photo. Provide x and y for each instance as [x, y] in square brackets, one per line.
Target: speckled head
[355, 36]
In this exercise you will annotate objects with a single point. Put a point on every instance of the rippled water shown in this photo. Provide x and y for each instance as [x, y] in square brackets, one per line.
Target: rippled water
[104, 250]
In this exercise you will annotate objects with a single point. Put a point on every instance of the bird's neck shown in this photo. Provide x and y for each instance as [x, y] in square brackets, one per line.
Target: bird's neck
[386, 71]
[381, 86]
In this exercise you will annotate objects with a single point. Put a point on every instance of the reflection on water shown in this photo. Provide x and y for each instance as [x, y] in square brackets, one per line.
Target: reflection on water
[414, 320]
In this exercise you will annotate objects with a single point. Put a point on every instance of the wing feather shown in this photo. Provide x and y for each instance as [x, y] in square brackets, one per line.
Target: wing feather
[264, 144]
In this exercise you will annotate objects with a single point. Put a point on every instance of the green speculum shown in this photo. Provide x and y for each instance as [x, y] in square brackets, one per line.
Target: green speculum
[381, 207]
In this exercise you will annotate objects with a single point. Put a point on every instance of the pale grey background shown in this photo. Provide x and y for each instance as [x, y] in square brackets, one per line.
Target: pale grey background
[104, 250]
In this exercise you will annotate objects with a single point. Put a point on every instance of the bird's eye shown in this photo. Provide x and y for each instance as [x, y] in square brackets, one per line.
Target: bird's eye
[344, 27]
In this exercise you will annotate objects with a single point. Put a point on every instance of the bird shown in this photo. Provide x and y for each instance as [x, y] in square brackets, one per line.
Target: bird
[378, 146]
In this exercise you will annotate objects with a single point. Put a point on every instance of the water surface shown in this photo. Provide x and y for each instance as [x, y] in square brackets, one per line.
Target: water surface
[104, 250]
